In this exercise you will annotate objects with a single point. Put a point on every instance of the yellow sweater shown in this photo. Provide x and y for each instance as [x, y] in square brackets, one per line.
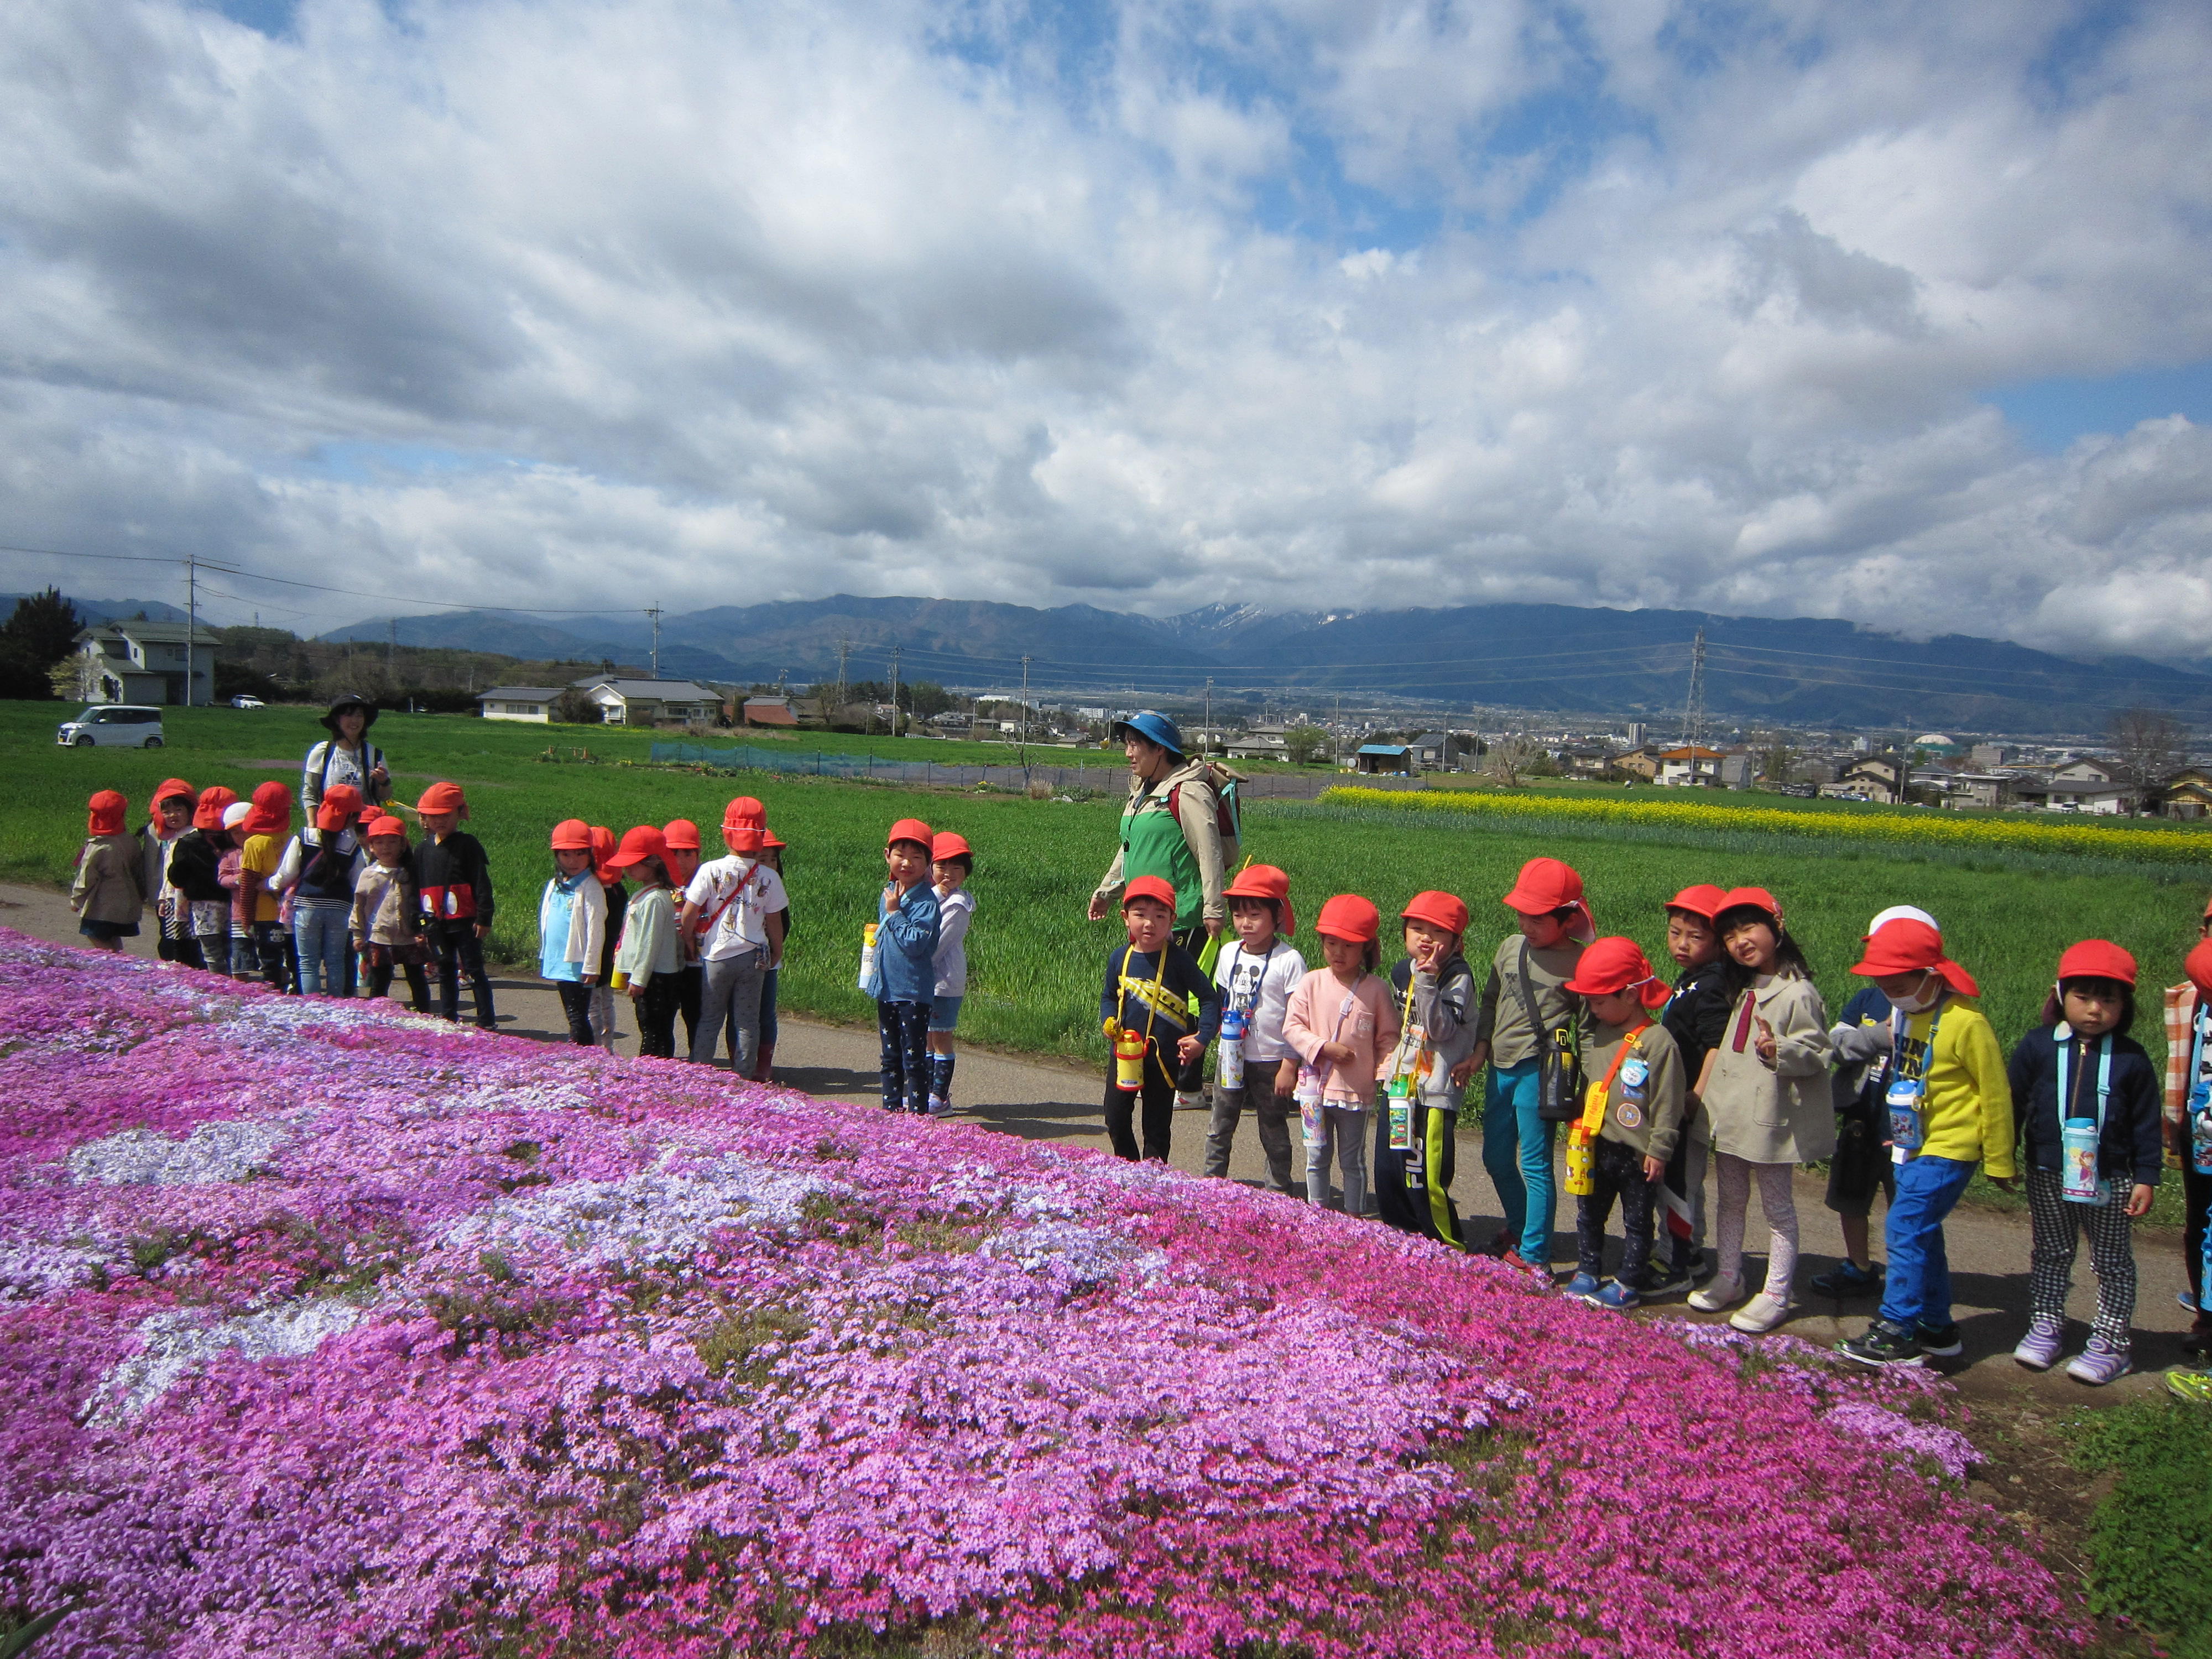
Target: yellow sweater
[1966, 1112]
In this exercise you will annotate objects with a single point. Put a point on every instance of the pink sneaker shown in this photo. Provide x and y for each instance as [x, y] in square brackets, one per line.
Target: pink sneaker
[2039, 1349]
[2097, 1364]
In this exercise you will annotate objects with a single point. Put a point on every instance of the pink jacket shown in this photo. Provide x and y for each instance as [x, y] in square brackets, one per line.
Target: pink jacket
[1318, 1013]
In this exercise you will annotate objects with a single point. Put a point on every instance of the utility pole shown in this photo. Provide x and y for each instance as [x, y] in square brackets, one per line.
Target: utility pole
[895, 659]
[191, 622]
[1204, 732]
[1024, 728]
[843, 647]
[653, 611]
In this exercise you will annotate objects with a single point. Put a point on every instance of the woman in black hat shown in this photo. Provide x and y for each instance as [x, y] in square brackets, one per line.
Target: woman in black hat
[346, 755]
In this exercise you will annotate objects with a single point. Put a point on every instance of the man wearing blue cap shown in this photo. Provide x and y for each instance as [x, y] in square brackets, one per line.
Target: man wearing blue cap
[1170, 829]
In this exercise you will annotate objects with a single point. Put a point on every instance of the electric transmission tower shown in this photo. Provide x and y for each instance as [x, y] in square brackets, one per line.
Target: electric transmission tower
[1693, 709]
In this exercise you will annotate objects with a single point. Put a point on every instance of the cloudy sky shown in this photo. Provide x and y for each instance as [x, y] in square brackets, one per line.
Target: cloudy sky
[1896, 312]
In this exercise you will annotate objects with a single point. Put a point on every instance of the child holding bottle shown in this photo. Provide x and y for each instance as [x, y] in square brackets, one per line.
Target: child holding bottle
[1258, 1069]
[1145, 1011]
[1344, 1025]
[902, 969]
[1416, 1131]
[647, 958]
[2087, 1101]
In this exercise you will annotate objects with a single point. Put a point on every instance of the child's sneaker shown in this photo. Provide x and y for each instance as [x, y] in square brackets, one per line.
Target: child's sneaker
[1940, 1342]
[2038, 1350]
[2198, 1339]
[2194, 1386]
[1189, 1100]
[1616, 1297]
[1582, 1287]
[939, 1106]
[1762, 1313]
[1542, 1275]
[1883, 1344]
[1665, 1282]
[2099, 1364]
[1720, 1293]
[1849, 1279]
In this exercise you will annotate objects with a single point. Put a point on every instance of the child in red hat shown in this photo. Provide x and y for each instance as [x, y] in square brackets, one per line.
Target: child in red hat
[387, 914]
[169, 820]
[1631, 1113]
[646, 957]
[1344, 1025]
[732, 923]
[572, 924]
[2087, 1101]
[1950, 1107]
[2188, 1064]
[454, 879]
[952, 861]
[681, 854]
[262, 837]
[1525, 1010]
[195, 872]
[1150, 984]
[1257, 1067]
[902, 976]
[1415, 1157]
[318, 869]
[109, 892]
[1696, 1017]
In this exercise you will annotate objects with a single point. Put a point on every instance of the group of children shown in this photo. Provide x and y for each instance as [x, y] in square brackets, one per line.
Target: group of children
[1737, 1063]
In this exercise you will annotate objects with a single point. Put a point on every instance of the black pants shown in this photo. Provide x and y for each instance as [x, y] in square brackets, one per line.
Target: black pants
[1616, 1171]
[379, 982]
[460, 951]
[272, 949]
[904, 1029]
[691, 981]
[1158, 1097]
[656, 1006]
[576, 1004]
[1412, 1190]
[2195, 1194]
[184, 950]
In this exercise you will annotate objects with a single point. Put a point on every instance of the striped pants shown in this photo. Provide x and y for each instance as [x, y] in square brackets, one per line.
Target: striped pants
[2056, 1225]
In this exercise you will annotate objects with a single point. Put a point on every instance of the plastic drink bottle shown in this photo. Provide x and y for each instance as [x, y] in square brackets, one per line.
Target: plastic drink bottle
[1129, 1060]
[867, 954]
[2078, 1181]
[1578, 1163]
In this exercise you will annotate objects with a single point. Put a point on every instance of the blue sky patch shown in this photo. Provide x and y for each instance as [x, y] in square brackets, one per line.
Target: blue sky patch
[2051, 414]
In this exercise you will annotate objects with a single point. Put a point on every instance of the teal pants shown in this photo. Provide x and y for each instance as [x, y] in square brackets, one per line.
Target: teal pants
[1517, 1151]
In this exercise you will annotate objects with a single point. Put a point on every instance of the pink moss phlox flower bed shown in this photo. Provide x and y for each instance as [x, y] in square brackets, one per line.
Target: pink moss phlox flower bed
[328, 1331]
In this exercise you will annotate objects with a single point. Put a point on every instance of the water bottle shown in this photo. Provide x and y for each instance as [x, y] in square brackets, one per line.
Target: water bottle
[2078, 1181]
[1579, 1162]
[867, 954]
[1129, 1060]
[2200, 1128]
[1235, 1023]
[1231, 1074]
[1401, 1113]
[1903, 1101]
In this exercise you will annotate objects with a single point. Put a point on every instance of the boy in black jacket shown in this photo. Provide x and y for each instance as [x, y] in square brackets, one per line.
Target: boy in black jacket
[1149, 984]
[1696, 1017]
[454, 878]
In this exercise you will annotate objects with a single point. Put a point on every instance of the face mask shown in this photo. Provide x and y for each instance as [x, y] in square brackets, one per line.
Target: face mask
[1921, 1001]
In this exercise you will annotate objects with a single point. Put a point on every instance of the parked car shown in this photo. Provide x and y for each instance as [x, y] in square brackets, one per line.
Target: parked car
[247, 702]
[112, 725]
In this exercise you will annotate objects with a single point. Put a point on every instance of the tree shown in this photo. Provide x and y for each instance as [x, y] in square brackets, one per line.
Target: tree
[926, 698]
[1510, 758]
[573, 707]
[1304, 744]
[34, 642]
[1776, 760]
[2150, 745]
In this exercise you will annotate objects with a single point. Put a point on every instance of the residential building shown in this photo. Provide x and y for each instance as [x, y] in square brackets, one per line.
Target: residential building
[1260, 743]
[1641, 762]
[1690, 764]
[2187, 793]
[519, 702]
[769, 711]
[1390, 757]
[650, 702]
[1639, 733]
[1430, 750]
[144, 662]
[1984, 756]
[2077, 784]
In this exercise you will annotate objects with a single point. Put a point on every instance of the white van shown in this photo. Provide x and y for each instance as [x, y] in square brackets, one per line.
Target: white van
[112, 725]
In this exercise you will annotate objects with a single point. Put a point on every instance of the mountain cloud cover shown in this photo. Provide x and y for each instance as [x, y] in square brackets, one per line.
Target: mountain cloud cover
[1149, 306]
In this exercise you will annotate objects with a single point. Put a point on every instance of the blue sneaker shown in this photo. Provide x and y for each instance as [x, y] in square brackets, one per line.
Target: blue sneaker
[1849, 1279]
[1617, 1297]
[1582, 1288]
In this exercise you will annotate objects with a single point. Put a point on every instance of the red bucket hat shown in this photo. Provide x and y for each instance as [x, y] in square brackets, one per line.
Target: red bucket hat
[1546, 884]
[603, 848]
[1438, 909]
[339, 808]
[744, 813]
[2198, 966]
[681, 833]
[104, 813]
[2096, 958]
[1749, 898]
[213, 800]
[443, 798]
[272, 811]
[913, 830]
[1151, 887]
[950, 844]
[169, 790]
[1611, 966]
[1703, 900]
[572, 836]
[386, 825]
[1265, 881]
[1904, 947]
[639, 844]
[1348, 916]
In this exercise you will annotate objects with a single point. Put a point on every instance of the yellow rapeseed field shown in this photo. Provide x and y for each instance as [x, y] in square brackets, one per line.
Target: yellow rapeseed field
[1931, 829]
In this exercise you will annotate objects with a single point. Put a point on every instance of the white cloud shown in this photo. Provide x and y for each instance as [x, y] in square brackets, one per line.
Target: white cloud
[1322, 304]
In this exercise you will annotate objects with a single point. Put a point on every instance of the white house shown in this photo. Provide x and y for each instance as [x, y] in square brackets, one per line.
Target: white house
[2078, 785]
[144, 662]
[518, 702]
[648, 702]
[1689, 765]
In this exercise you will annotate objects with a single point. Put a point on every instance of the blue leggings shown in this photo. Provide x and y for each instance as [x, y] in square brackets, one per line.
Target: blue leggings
[1517, 1151]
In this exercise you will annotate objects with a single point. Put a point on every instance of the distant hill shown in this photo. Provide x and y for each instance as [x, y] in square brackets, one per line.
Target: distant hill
[1796, 671]
[109, 609]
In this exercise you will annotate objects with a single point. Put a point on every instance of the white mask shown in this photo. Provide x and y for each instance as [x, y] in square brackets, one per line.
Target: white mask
[1922, 1000]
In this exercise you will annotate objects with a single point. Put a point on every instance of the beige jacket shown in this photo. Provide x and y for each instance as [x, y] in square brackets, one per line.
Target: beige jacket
[111, 880]
[1784, 1112]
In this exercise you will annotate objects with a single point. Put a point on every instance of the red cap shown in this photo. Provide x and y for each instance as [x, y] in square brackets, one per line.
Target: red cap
[442, 797]
[1438, 909]
[572, 836]
[213, 800]
[742, 838]
[745, 812]
[912, 829]
[369, 813]
[1703, 900]
[1906, 946]
[2198, 965]
[681, 833]
[2097, 958]
[1545, 885]
[386, 825]
[1611, 966]
[1151, 887]
[639, 844]
[769, 838]
[169, 790]
[105, 816]
[1348, 916]
[603, 848]
[272, 811]
[339, 808]
[949, 844]
[1265, 881]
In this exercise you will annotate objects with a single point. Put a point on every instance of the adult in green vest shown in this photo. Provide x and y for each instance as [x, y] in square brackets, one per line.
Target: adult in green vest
[1169, 829]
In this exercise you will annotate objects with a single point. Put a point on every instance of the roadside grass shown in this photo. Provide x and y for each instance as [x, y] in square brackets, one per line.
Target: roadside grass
[2150, 1537]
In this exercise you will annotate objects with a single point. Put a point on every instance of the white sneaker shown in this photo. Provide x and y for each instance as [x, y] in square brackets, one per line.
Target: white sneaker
[1721, 1293]
[1189, 1100]
[1762, 1313]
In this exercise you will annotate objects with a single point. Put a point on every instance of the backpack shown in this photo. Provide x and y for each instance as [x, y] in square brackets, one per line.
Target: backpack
[1228, 810]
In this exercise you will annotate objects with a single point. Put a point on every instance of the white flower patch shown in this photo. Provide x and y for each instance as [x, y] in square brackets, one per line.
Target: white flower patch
[1074, 1255]
[31, 1268]
[180, 1341]
[654, 1215]
[534, 1097]
[230, 1149]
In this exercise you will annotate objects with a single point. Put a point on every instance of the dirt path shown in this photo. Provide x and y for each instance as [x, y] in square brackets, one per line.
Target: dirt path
[1045, 1100]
